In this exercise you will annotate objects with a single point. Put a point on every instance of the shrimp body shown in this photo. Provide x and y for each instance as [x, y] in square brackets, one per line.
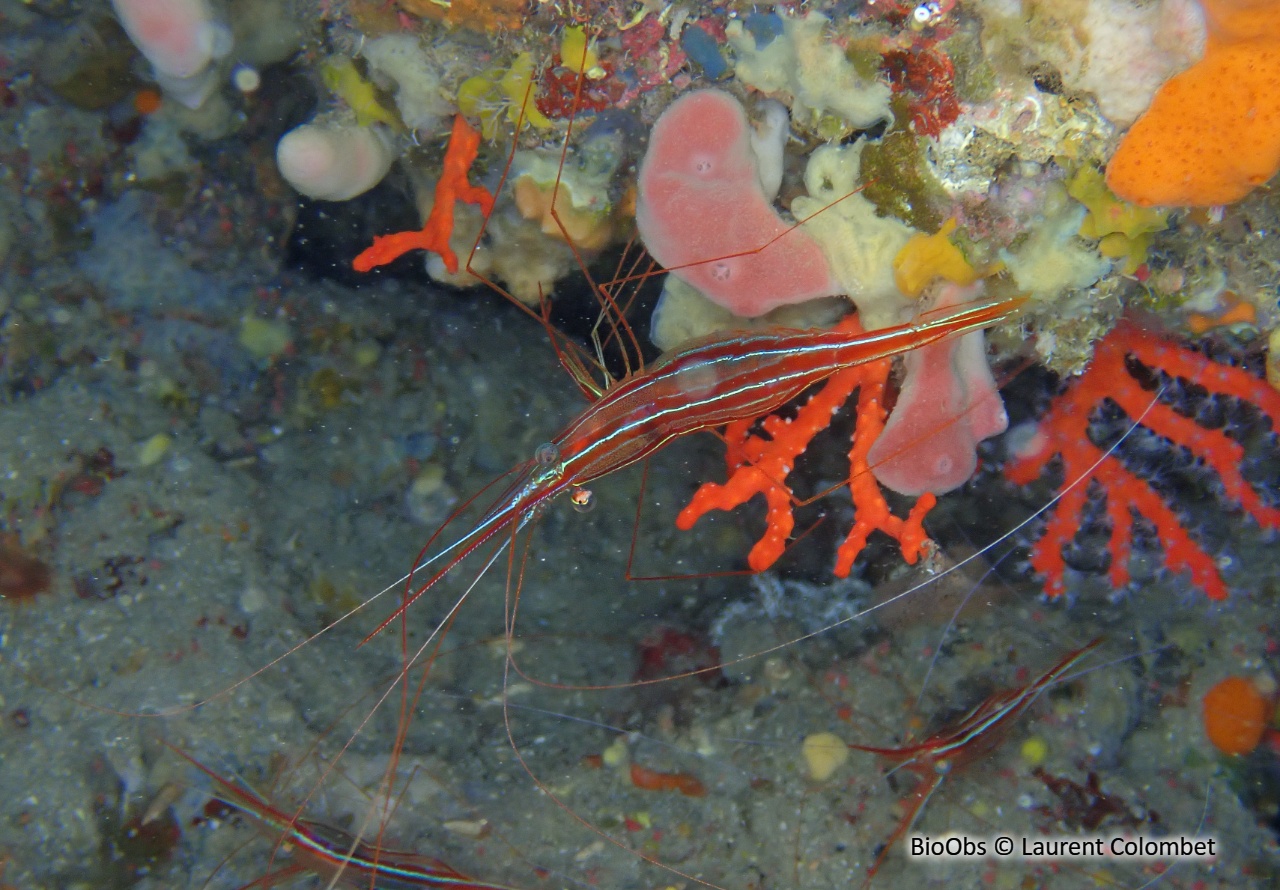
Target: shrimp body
[970, 738]
[716, 380]
[332, 852]
[705, 384]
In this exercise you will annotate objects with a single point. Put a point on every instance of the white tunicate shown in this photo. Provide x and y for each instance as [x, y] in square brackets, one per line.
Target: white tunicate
[333, 163]
[768, 142]
[401, 61]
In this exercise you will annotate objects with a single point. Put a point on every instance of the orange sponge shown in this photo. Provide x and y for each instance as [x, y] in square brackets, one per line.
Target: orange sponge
[1235, 715]
[1212, 133]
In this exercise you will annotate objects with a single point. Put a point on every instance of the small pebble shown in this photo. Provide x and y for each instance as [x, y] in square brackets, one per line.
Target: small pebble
[154, 449]
[472, 828]
[593, 849]
[246, 79]
[366, 353]
[1034, 751]
[616, 754]
[824, 752]
[252, 599]
[262, 338]
[429, 481]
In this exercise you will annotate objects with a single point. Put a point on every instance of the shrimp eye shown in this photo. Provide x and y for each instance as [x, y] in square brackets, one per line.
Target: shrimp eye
[547, 454]
[582, 499]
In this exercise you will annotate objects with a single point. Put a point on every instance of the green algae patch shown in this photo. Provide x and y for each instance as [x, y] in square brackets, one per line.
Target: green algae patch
[899, 183]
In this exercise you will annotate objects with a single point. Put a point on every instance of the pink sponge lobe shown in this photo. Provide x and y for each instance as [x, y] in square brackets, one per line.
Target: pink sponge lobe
[704, 216]
[176, 36]
[948, 404]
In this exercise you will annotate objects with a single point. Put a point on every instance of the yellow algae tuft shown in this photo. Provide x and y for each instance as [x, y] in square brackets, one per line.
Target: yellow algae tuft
[824, 753]
[517, 86]
[576, 53]
[487, 97]
[1123, 230]
[345, 81]
[926, 257]
[336, 596]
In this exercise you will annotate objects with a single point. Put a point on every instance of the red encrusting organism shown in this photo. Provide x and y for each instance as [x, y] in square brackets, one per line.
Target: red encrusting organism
[1065, 431]
[760, 465]
[464, 146]
[565, 92]
[22, 576]
[926, 75]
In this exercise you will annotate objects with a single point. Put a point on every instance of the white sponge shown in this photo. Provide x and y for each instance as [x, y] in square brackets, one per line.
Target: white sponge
[334, 163]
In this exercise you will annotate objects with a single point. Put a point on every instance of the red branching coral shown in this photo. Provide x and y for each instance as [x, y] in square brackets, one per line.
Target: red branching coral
[464, 146]
[1065, 431]
[760, 465]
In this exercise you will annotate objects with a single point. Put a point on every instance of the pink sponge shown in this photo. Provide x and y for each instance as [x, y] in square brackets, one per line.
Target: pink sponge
[703, 214]
[180, 39]
[948, 404]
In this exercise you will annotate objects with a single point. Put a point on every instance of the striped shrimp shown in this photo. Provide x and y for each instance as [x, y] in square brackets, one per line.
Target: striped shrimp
[703, 385]
[645, 734]
[307, 846]
[1004, 758]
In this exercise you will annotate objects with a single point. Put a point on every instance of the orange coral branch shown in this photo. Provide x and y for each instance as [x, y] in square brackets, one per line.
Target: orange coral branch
[760, 465]
[1064, 431]
[872, 512]
[464, 146]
